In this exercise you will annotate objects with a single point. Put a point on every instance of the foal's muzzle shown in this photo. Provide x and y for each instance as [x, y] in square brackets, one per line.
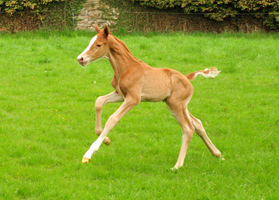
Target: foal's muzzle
[81, 61]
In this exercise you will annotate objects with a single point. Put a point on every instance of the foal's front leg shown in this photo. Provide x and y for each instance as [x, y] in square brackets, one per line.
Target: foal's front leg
[100, 102]
[112, 121]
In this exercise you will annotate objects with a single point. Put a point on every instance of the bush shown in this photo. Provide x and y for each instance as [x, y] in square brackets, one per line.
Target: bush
[220, 9]
[40, 13]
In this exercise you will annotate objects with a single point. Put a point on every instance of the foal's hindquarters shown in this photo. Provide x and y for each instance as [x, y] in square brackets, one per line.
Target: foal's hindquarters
[182, 91]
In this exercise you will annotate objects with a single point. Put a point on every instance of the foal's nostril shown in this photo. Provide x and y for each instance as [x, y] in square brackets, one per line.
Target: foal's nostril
[80, 59]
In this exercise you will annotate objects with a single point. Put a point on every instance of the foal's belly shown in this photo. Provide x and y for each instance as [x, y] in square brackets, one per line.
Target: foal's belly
[145, 97]
[156, 87]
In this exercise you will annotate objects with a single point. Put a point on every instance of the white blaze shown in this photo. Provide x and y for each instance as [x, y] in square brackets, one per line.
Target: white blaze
[89, 46]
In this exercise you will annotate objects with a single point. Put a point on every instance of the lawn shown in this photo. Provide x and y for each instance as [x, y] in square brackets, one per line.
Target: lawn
[47, 120]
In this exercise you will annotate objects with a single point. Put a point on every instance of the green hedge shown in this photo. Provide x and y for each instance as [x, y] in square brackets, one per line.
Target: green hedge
[218, 10]
[41, 13]
[13, 6]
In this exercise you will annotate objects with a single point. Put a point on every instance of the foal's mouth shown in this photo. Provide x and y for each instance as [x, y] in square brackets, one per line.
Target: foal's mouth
[82, 62]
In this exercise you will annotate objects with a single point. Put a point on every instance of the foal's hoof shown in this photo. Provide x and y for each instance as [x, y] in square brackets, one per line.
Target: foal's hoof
[85, 160]
[175, 168]
[107, 141]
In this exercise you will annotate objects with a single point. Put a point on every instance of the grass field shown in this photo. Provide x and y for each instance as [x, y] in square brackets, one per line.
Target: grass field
[47, 120]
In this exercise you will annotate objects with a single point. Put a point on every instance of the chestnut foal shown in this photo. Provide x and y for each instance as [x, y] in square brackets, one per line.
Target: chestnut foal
[135, 81]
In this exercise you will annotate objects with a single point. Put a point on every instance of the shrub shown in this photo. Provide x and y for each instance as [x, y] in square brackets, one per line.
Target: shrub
[40, 12]
[220, 9]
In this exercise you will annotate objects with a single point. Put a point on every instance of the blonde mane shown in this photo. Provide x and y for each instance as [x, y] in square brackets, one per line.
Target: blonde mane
[117, 46]
[122, 43]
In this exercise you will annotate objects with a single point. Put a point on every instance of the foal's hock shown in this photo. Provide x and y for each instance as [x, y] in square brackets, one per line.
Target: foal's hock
[135, 81]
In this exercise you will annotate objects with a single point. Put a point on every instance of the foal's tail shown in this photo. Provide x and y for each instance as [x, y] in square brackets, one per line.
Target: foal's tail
[207, 73]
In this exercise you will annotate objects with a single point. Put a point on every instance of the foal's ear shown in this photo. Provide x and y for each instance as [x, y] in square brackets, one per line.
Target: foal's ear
[106, 31]
[97, 28]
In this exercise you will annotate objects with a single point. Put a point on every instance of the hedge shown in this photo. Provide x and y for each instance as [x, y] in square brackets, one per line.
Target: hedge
[34, 14]
[218, 10]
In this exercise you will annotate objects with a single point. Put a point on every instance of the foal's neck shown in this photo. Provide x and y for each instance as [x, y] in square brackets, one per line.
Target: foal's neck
[120, 57]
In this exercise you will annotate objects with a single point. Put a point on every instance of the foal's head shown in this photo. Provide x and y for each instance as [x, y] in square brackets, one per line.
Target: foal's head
[97, 48]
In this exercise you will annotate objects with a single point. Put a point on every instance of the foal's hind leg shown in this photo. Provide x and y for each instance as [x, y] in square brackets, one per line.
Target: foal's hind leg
[199, 129]
[178, 110]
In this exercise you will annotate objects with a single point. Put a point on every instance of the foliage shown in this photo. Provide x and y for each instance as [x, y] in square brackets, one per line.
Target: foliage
[12, 6]
[221, 9]
[45, 12]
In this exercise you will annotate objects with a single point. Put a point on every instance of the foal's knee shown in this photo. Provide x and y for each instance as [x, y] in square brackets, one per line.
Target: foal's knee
[99, 103]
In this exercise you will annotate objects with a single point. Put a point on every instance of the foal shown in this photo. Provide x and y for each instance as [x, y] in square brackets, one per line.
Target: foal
[135, 81]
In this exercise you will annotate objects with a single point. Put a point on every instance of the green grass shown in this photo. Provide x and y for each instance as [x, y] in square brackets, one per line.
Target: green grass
[47, 120]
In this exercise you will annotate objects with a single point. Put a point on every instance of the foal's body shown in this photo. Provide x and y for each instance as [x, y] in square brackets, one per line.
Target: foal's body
[135, 81]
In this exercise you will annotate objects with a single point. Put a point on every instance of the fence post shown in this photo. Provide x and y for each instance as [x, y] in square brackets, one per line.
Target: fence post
[73, 18]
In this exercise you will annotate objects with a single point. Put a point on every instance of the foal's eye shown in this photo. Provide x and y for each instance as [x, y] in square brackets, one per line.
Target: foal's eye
[98, 45]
